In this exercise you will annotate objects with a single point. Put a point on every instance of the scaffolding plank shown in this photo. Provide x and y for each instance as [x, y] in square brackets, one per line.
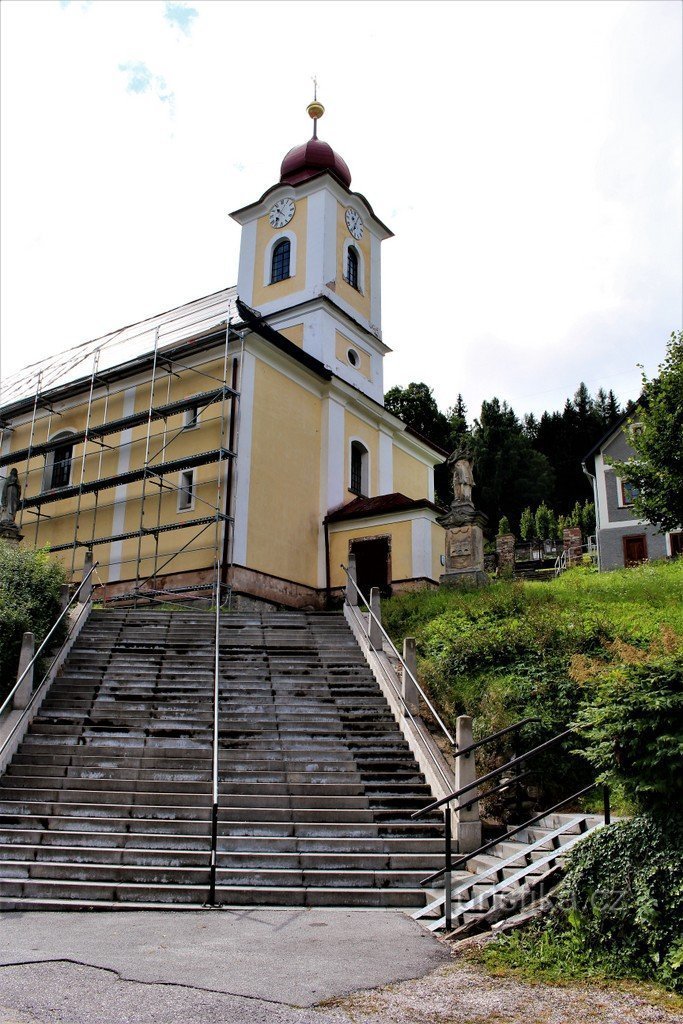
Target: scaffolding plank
[132, 476]
[147, 531]
[201, 399]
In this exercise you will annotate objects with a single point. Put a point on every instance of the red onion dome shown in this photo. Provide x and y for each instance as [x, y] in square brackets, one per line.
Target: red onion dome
[303, 162]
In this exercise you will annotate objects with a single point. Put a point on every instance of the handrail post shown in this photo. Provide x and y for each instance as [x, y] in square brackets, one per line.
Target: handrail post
[375, 623]
[606, 805]
[411, 694]
[467, 821]
[86, 591]
[448, 883]
[23, 694]
[351, 583]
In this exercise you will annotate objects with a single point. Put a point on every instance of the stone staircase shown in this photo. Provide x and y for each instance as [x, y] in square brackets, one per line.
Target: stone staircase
[107, 802]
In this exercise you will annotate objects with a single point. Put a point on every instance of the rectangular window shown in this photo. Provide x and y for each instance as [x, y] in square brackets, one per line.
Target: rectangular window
[628, 492]
[186, 490]
[191, 417]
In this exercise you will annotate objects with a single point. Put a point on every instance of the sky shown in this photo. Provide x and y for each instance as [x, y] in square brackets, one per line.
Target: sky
[527, 157]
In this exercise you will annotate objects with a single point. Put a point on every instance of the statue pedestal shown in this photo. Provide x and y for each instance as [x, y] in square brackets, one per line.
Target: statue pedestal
[10, 532]
[464, 548]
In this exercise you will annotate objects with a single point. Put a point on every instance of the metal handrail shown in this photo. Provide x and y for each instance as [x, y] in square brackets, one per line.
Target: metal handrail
[215, 765]
[518, 828]
[466, 751]
[492, 775]
[11, 694]
[37, 689]
[395, 652]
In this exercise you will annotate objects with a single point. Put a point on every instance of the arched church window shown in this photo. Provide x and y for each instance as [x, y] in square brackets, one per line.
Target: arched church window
[352, 267]
[58, 462]
[280, 261]
[359, 469]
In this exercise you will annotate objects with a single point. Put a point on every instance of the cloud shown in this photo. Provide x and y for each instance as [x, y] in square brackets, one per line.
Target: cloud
[180, 15]
[84, 5]
[141, 79]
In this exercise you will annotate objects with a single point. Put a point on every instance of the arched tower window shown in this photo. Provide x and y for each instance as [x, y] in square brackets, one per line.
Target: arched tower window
[279, 267]
[359, 469]
[352, 266]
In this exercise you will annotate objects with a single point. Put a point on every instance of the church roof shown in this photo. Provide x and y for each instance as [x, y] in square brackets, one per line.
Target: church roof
[383, 504]
[305, 161]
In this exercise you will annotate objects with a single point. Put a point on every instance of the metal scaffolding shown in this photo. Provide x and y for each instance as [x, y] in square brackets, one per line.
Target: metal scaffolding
[218, 402]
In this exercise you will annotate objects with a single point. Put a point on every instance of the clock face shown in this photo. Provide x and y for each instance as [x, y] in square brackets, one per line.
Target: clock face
[354, 222]
[282, 212]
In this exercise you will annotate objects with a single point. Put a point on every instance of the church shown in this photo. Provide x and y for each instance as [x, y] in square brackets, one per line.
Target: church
[240, 438]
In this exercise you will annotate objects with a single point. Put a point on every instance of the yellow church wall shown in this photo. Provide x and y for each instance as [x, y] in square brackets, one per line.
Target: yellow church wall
[264, 234]
[342, 346]
[295, 333]
[360, 300]
[355, 428]
[283, 529]
[411, 477]
[401, 548]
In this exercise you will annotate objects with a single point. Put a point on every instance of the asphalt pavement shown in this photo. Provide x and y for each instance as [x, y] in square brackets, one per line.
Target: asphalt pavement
[225, 965]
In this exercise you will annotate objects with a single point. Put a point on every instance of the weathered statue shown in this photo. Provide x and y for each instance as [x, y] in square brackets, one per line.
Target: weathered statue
[460, 462]
[11, 493]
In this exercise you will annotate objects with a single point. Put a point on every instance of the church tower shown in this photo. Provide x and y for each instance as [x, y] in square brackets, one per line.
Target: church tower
[310, 263]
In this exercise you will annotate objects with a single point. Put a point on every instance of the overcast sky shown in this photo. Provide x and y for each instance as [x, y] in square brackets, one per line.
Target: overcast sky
[526, 155]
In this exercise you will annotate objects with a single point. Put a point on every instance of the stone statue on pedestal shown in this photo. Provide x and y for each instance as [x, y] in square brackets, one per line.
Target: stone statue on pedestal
[9, 505]
[9, 501]
[464, 526]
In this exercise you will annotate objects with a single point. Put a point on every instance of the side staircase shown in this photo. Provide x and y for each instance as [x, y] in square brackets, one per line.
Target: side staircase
[108, 801]
[494, 879]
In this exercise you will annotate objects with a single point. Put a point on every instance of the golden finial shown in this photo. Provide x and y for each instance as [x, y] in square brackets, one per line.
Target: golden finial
[315, 109]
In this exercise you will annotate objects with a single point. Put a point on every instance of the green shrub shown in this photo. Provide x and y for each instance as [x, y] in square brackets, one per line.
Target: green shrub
[620, 909]
[30, 590]
[634, 725]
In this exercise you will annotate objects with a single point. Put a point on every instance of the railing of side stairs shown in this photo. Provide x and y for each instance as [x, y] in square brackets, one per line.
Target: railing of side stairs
[454, 802]
[26, 695]
[380, 643]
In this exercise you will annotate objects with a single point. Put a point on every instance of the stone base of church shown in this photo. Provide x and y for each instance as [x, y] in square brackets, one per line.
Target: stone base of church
[250, 587]
[251, 590]
[10, 532]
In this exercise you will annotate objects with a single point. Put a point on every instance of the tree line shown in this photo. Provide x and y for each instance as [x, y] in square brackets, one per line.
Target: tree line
[520, 464]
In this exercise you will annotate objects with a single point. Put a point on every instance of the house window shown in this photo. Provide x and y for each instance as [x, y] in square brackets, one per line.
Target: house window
[191, 418]
[186, 490]
[628, 492]
[58, 463]
[352, 267]
[279, 267]
[359, 469]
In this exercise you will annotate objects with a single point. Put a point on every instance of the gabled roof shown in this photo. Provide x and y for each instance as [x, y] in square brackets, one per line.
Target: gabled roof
[589, 457]
[383, 504]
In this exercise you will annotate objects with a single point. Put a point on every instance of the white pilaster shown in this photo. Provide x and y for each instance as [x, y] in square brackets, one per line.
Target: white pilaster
[118, 524]
[422, 548]
[386, 463]
[315, 240]
[375, 284]
[336, 455]
[243, 461]
[245, 274]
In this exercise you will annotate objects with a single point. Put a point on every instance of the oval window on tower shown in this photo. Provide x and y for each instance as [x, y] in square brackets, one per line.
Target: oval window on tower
[353, 357]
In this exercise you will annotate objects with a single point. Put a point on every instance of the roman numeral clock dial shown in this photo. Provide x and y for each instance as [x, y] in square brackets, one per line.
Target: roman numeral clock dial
[281, 213]
[354, 222]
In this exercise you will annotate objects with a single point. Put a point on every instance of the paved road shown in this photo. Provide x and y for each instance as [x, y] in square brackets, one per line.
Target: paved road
[288, 958]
